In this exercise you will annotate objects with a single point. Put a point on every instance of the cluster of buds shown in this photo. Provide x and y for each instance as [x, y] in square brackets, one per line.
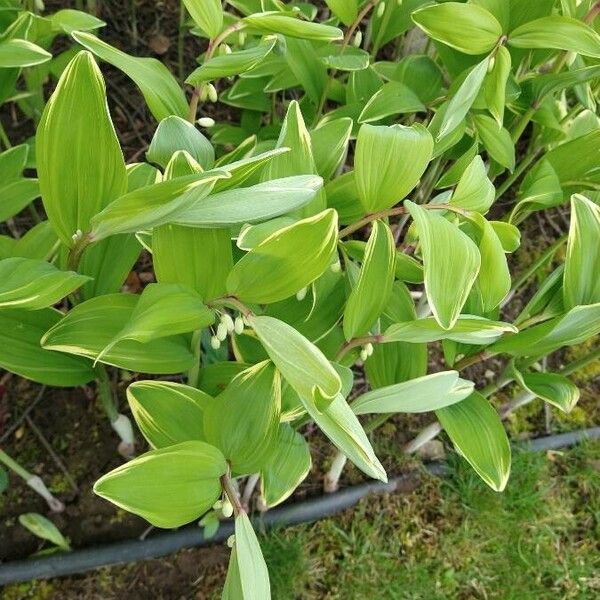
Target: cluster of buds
[208, 92]
[366, 351]
[226, 327]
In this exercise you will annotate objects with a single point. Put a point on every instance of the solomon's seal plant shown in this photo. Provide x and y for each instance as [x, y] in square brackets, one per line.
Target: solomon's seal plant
[361, 211]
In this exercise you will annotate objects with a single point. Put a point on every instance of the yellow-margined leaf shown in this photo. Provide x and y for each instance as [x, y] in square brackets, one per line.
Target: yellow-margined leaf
[287, 261]
[372, 291]
[477, 432]
[79, 161]
[468, 28]
[168, 413]
[168, 487]
[581, 283]
[451, 261]
[207, 14]
[422, 394]
[301, 363]
[243, 421]
[389, 162]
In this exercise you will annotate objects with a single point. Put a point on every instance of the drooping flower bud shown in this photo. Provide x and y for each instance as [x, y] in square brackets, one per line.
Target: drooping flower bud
[301, 294]
[239, 325]
[357, 39]
[215, 342]
[380, 10]
[221, 332]
[228, 322]
[206, 122]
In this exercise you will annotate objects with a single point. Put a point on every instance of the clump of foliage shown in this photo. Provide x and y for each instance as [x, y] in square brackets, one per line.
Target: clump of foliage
[289, 248]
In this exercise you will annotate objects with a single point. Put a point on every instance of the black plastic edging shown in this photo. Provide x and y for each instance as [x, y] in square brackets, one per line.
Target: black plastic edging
[168, 542]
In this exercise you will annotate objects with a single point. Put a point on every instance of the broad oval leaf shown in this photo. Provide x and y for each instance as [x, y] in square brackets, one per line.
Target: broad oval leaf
[21, 53]
[287, 261]
[161, 91]
[91, 326]
[174, 133]
[188, 478]
[44, 529]
[581, 282]
[154, 205]
[21, 352]
[227, 65]
[253, 572]
[392, 99]
[340, 425]
[422, 394]
[372, 291]
[34, 284]
[256, 203]
[168, 413]
[207, 14]
[243, 421]
[553, 388]
[451, 261]
[468, 28]
[558, 32]
[574, 327]
[461, 102]
[474, 190]
[477, 433]
[285, 467]
[389, 162]
[276, 22]
[163, 310]
[301, 363]
[78, 183]
[468, 329]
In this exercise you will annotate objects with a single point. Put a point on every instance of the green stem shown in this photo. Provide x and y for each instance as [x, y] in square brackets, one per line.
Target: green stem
[180, 37]
[398, 210]
[212, 46]
[521, 167]
[232, 494]
[13, 465]
[4, 137]
[105, 393]
[546, 255]
[194, 372]
[76, 252]
[347, 37]
[356, 342]
[231, 302]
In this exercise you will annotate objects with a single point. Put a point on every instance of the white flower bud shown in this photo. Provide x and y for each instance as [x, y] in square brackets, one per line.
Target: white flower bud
[206, 122]
[221, 332]
[203, 93]
[336, 267]
[380, 9]
[215, 342]
[238, 326]
[369, 348]
[218, 505]
[357, 39]
[227, 509]
[212, 92]
[364, 355]
[231, 541]
[228, 322]
[301, 294]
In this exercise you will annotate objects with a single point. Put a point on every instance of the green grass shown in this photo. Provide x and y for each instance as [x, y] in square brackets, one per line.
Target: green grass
[455, 538]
